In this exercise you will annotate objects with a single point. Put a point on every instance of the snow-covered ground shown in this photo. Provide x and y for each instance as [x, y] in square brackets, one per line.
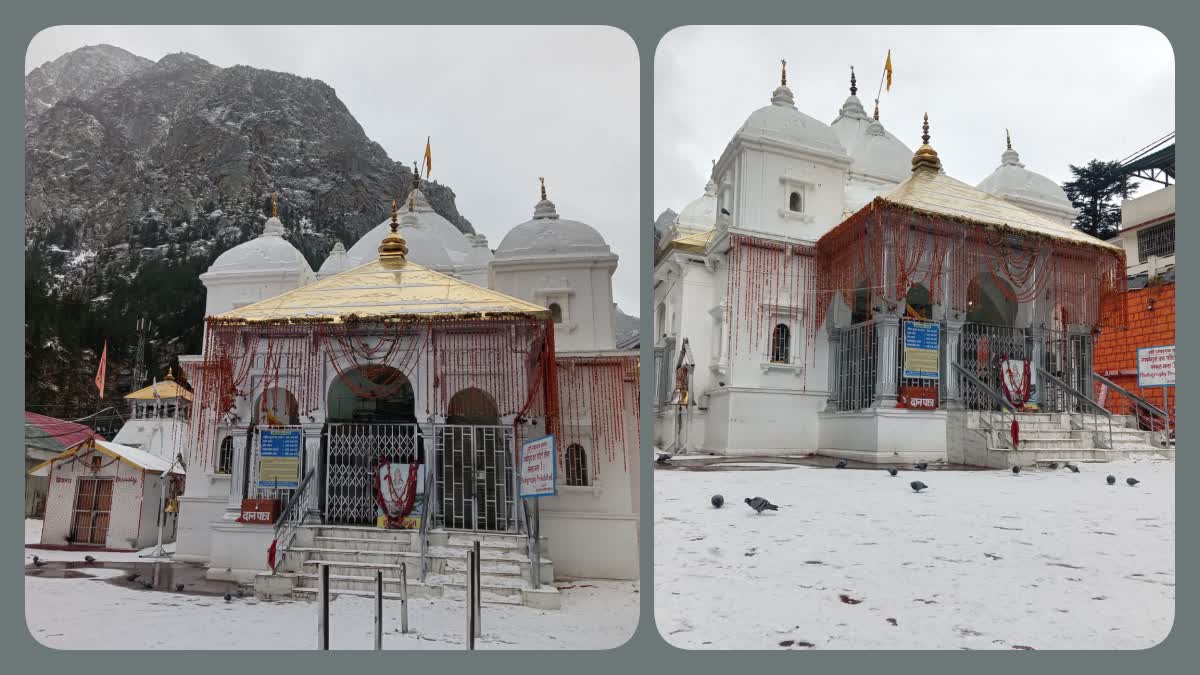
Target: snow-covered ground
[63, 614]
[854, 559]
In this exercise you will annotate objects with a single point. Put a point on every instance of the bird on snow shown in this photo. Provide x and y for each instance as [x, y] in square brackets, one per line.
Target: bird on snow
[717, 501]
[1112, 480]
[841, 464]
[917, 486]
[88, 559]
[1016, 469]
[1132, 481]
[921, 466]
[892, 472]
[1072, 467]
[1052, 465]
[228, 597]
[38, 562]
[759, 504]
[179, 587]
[663, 458]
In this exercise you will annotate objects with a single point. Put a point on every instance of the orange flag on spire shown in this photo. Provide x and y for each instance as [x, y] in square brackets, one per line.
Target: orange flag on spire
[428, 158]
[887, 68]
[100, 372]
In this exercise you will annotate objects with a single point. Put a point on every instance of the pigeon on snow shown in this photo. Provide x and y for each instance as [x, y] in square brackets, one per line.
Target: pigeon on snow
[921, 466]
[228, 597]
[38, 562]
[88, 559]
[917, 486]
[1132, 481]
[841, 464]
[179, 587]
[663, 458]
[759, 504]
[1112, 480]
[892, 472]
[1072, 467]
[717, 501]
[1016, 469]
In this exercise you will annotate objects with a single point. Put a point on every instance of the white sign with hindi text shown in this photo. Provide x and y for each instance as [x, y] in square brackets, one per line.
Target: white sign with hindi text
[1156, 366]
[539, 470]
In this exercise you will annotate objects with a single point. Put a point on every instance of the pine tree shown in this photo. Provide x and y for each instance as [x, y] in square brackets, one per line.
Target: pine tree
[1096, 192]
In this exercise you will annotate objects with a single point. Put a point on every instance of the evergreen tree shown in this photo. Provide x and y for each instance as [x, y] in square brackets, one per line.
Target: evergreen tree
[1096, 192]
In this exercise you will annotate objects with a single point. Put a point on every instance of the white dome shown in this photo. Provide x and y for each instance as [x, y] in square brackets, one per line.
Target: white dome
[702, 212]
[268, 252]
[480, 253]
[873, 150]
[549, 235]
[1012, 180]
[432, 240]
[783, 123]
[335, 263]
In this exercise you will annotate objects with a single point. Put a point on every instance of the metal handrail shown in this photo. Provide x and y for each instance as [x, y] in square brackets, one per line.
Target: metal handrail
[1154, 410]
[285, 527]
[1042, 372]
[992, 393]
[430, 501]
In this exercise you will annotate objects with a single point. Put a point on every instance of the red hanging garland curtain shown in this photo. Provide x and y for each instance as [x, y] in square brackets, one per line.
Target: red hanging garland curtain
[508, 357]
[599, 396]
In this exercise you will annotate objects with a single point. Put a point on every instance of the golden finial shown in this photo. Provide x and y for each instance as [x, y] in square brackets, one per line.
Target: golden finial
[783, 72]
[1007, 139]
[926, 157]
[542, 180]
[395, 223]
[170, 374]
[274, 204]
[416, 177]
[393, 250]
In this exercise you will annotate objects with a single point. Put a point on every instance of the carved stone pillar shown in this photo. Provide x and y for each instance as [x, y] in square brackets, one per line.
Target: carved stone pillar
[237, 472]
[887, 336]
[312, 463]
[951, 398]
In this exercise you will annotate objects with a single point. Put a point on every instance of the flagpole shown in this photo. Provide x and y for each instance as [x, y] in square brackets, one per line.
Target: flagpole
[882, 75]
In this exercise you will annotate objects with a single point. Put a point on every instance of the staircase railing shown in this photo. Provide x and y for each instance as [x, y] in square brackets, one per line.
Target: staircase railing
[1062, 397]
[292, 517]
[990, 395]
[431, 501]
[1142, 409]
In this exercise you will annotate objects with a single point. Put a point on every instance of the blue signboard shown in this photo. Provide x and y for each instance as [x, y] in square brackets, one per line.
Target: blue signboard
[921, 343]
[279, 458]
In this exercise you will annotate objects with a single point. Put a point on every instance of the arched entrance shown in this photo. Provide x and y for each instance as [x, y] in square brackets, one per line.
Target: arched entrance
[475, 474]
[989, 337]
[371, 422]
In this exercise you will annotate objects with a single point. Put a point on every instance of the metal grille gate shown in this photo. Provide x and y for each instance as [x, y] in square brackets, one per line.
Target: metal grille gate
[981, 350]
[475, 479]
[353, 451]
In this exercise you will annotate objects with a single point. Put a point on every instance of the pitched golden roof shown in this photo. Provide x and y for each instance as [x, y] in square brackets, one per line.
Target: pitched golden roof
[373, 291]
[166, 389]
[936, 193]
[692, 240]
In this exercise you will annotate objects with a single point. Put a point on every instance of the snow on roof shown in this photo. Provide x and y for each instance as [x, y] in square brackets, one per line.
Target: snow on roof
[132, 456]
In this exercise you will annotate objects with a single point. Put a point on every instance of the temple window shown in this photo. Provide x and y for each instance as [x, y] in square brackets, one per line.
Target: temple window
[781, 344]
[225, 456]
[795, 202]
[556, 312]
[577, 471]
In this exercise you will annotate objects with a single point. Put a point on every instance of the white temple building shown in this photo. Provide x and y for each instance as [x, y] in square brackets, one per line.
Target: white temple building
[421, 352]
[840, 294]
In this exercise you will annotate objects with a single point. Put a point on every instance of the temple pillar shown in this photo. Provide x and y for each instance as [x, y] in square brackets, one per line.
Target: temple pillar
[951, 398]
[887, 337]
[312, 464]
[835, 343]
[237, 472]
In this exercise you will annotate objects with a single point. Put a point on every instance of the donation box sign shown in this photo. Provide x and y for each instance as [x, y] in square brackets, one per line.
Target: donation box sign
[279, 458]
[538, 468]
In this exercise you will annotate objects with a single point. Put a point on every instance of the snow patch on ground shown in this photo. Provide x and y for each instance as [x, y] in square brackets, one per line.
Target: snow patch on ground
[594, 615]
[854, 559]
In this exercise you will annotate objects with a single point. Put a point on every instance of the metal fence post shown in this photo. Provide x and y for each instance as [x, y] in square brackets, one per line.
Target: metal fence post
[323, 612]
[478, 591]
[378, 610]
[403, 598]
[470, 628]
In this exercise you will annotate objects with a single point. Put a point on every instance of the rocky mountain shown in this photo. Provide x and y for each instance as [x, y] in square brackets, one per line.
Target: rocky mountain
[139, 173]
[627, 328]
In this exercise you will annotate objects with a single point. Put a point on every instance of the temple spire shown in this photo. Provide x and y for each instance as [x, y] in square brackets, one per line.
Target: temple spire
[783, 72]
[393, 250]
[926, 157]
[1007, 139]
[877, 111]
[542, 180]
[274, 204]
[416, 177]
[395, 223]
[853, 83]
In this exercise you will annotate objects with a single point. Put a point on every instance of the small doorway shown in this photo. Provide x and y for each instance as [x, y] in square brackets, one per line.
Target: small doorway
[475, 466]
[93, 509]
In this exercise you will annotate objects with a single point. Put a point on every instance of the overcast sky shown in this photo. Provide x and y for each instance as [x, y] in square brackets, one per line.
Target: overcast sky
[503, 105]
[1068, 94]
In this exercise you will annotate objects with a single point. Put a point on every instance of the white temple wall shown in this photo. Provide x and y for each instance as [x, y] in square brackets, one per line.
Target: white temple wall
[581, 287]
[135, 499]
[757, 181]
[226, 292]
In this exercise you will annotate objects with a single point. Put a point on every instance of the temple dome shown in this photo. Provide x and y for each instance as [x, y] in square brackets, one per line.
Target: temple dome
[701, 213]
[783, 123]
[433, 241]
[1012, 181]
[548, 235]
[268, 252]
[335, 263]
